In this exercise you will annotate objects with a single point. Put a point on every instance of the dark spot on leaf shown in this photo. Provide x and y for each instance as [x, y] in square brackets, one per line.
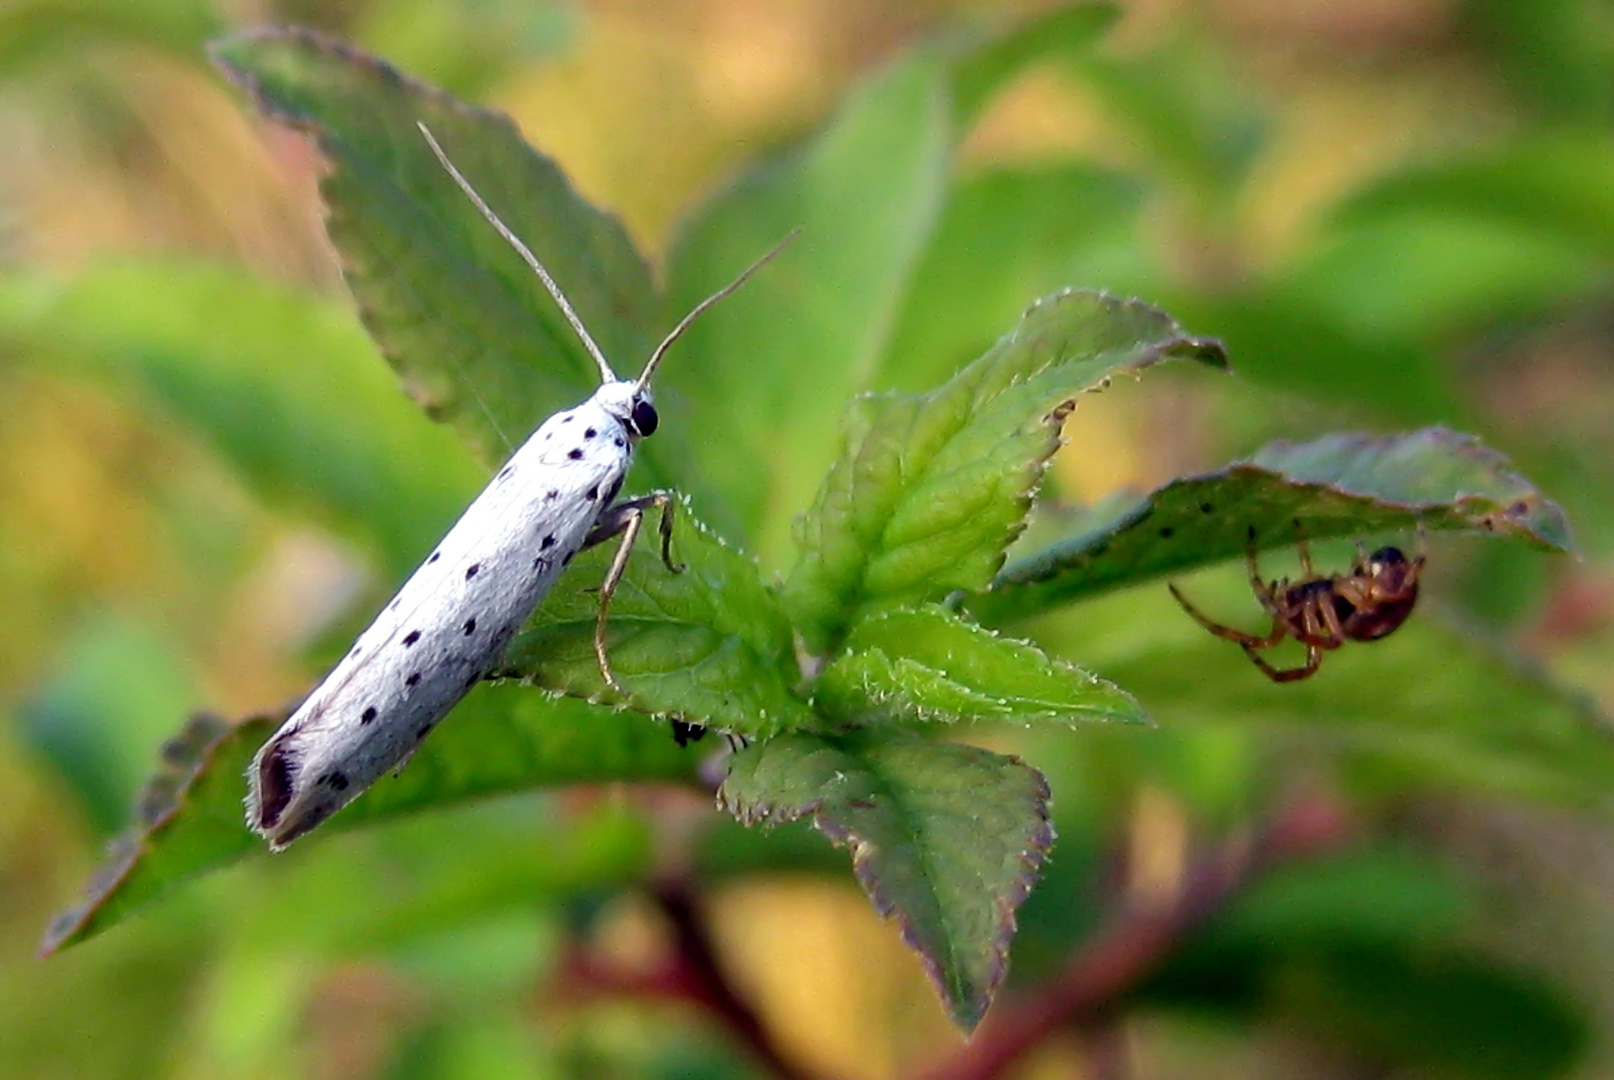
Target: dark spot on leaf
[1206, 508]
[470, 627]
[471, 571]
[575, 453]
[1100, 549]
[1167, 532]
[368, 715]
[411, 637]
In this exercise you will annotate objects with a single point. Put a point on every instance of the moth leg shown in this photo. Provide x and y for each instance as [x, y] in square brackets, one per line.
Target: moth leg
[625, 519]
[614, 518]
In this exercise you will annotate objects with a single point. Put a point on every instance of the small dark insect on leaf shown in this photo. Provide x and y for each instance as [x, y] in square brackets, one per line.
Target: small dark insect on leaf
[1323, 613]
[684, 733]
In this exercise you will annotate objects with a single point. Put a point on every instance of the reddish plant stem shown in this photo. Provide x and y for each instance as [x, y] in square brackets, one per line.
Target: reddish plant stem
[1137, 941]
[692, 975]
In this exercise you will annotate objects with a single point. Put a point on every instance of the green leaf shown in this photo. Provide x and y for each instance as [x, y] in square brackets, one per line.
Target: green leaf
[810, 331]
[478, 342]
[1365, 950]
[35, 34]
[1336, 486]
[500, 739]
[95, 719]
[1559, 187]
[930, 489]
[929, 666]
[982, 70]
[709, 645]
[1431, 707]
[286, 387]
[1178, 105]
[1291, 339]
[946, 838]
[1039, 229]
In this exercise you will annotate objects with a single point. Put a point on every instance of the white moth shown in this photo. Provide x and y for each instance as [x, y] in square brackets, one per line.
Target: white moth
[455, 615]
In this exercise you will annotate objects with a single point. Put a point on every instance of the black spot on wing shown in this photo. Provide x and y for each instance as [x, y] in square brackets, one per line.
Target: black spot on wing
[575, 453]
[413, 680]
[435, 556]
[552, 495]
[589, 433]
[592, 493]
[411, 637]
[368, 715]
[548, 542]
[506, 472]
[470, 627]
[336, 778]
[472, 570]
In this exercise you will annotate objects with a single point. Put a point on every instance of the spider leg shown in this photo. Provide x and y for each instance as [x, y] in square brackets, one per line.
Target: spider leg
[1229, 633]
[1423, 552]
[1306, 569]
[1314, 659]
[1331, 634]
[1264, 593]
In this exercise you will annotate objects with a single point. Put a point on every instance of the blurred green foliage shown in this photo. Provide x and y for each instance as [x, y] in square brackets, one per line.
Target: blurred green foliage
[176, 425]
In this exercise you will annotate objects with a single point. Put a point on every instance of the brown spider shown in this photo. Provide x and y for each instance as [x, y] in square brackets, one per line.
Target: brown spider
[1321, 613]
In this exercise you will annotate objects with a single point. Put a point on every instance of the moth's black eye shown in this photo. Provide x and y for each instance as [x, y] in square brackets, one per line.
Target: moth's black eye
[644, 419]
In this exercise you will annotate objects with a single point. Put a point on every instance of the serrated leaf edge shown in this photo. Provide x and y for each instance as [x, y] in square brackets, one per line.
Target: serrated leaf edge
[184, 759]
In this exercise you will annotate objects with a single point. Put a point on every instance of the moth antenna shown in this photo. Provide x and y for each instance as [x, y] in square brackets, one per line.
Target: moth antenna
[606, 374]
[727, 290]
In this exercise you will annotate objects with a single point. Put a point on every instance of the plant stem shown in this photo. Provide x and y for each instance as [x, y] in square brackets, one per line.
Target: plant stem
[1138, 939]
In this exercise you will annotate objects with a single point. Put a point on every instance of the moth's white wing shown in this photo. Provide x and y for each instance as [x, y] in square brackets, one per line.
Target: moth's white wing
[448, 624]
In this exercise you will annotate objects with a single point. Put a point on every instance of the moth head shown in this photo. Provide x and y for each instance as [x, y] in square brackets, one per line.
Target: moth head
[630, 403]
